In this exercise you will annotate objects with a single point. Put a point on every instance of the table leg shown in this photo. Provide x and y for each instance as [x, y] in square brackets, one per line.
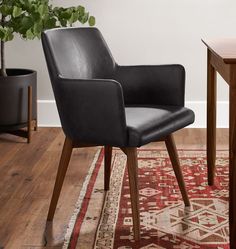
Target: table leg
[232, 168]
[211, 120]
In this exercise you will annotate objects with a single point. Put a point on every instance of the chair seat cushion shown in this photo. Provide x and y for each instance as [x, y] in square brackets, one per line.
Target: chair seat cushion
[148, 124]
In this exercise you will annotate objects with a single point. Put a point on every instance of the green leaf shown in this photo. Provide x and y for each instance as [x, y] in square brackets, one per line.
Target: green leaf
[43, 9]
[23, 2]
[92, 21]
[49, 23]
[6, 34]
[26, 23]
[29, 34]
[63, 22]
[74, 17]
[16, 11]
[84, 18]
[29, 18]
[36, 17]
[81, 10]
[66, 14]
[9, 35]
[6, 10]
[38, 28]
[2, 33]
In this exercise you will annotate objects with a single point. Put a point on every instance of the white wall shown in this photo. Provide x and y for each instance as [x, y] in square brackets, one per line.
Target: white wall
[149, 32]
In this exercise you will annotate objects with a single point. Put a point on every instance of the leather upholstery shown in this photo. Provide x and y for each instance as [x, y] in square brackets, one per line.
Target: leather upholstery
[103, 103]
[154, 85]
[95, 107]
[78, 53]
[147, 124]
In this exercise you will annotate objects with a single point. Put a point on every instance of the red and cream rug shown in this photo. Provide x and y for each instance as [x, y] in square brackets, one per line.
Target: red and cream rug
[104, 221]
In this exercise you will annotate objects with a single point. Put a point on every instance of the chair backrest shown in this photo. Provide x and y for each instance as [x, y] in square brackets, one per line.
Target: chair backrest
[80, 65]
[77, 53]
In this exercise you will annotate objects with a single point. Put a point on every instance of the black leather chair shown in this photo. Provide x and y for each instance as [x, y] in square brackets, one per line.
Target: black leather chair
[102, 103]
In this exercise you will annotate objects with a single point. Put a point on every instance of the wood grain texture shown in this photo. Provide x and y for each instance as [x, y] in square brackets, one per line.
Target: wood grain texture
[211, 119]
[132, 165]
[232, 167]
[224, 48]
[28, 173]
[173, 154]
[29, 123]
[61, 173]
[219, 65]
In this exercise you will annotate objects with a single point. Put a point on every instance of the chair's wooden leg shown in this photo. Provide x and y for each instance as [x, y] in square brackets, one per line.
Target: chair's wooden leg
[29, 126]
[107, 167]
[63, 165]
[170, 144]
[132, 164]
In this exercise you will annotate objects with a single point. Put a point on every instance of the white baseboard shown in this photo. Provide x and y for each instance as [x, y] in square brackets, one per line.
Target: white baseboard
[199, 107]
[48, 115]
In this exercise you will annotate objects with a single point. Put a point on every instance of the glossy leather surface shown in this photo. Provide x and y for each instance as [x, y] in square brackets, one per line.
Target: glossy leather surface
[95, 107]
[92, 91]
[78, 53]
[154, 85]
[147, 124]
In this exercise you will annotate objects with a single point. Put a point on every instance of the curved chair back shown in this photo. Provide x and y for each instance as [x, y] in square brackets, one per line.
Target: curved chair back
[77, 53]
[89, 102]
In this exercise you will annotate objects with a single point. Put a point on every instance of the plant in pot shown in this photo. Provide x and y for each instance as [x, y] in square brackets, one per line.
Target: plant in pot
[18, 87]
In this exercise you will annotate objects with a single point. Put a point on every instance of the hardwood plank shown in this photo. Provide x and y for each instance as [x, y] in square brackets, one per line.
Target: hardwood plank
[17, 170]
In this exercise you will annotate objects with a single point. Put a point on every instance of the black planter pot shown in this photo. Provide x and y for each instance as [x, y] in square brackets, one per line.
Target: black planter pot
[15, 105]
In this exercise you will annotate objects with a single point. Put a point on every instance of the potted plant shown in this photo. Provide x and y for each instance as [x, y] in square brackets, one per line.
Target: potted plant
[18, 87]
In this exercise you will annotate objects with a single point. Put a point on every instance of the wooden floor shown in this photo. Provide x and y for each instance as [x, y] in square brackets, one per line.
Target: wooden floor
[28, 172]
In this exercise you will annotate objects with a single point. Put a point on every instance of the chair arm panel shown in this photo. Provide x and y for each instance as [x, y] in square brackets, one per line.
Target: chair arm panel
[91, 111]
[152, 85]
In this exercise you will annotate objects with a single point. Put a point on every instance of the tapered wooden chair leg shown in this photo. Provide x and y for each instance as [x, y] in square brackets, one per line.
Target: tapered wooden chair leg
[107, 167]
[132, 164]
[61, 172]
[170, 144]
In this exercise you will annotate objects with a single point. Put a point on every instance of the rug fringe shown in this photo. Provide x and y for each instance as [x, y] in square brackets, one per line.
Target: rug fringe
[78, 204]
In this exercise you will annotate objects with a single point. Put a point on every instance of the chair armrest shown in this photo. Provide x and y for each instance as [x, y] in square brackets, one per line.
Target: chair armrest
[152, 85]
[91, 111]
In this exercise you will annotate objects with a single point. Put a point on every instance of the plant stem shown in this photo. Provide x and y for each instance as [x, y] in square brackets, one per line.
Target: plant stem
[3, 66]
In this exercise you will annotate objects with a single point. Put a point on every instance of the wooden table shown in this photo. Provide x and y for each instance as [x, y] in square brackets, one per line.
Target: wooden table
[221, 58]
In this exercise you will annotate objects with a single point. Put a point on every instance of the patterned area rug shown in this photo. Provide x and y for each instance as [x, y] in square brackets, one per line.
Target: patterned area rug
[104, 221]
